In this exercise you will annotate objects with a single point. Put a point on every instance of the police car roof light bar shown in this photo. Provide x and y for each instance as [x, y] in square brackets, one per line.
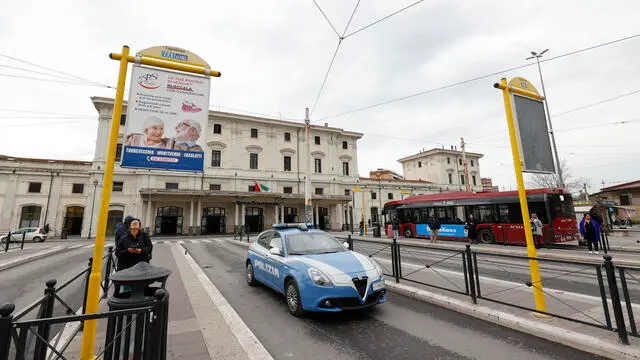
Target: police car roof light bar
[301, 226]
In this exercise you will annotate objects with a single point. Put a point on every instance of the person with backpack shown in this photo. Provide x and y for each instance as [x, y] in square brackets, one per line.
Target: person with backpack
[470, 225]
[536, 229]
[122, 228]
[395, 225]
[434, 227]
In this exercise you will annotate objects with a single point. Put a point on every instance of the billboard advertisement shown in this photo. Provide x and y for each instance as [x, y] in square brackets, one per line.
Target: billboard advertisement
[167, 117]
[445, 230]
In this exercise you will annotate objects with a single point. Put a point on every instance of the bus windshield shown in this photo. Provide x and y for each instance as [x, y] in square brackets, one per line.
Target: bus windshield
[561, 205]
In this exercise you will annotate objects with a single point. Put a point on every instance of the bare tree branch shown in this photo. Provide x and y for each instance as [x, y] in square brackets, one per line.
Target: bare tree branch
[552, 181]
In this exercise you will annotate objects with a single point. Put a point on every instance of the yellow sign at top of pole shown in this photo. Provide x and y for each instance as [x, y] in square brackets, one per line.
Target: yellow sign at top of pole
[166, 57]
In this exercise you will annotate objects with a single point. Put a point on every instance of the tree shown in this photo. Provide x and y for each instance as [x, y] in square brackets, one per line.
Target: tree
[552, 181]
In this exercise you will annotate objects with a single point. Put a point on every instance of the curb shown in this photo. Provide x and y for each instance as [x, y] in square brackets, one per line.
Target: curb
[29, 258]
[549, 332]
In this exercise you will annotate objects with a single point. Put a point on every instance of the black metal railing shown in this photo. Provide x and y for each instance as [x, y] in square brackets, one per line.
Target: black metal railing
[240, 232]
[456, 269]
[138, 333]
[10, 238]
[38, 342]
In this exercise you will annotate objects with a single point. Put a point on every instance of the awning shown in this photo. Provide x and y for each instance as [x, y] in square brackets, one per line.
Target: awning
[583, 209]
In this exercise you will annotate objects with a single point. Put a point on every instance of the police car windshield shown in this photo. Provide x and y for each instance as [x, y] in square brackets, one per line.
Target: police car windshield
[312, 243]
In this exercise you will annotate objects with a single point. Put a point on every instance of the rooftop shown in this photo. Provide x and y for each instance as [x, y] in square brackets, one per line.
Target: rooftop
[624, 186]
[396, 180]
[48, 161]
[434, 151]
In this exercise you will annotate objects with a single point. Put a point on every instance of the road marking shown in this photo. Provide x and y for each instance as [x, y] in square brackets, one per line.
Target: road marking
[88, 246]
[247, 339]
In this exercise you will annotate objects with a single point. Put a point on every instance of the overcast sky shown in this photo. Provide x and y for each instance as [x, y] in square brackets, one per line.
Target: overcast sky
[274, 54]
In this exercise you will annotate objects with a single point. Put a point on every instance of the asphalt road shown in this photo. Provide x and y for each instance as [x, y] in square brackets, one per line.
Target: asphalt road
[400, 329]
[580, 279]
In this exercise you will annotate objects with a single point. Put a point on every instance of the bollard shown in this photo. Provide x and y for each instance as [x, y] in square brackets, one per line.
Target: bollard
[350, 242]
[603, 242]
[394, 260]
[615, 300]
[6, 243]
[46, 311]
[470, 275]
[6, 324]
[24, 234]
[86, 289]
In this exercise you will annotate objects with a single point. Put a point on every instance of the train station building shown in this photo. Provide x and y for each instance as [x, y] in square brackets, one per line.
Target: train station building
[254, 176]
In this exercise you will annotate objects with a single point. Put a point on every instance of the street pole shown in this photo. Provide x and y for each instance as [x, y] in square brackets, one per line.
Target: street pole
[93, 202]
[364, 217]
[307, 180]
[464, 164]
[546, 106]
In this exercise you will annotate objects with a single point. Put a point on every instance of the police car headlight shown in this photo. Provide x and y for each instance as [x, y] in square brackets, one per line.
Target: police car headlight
[319, 278]
[376, 265]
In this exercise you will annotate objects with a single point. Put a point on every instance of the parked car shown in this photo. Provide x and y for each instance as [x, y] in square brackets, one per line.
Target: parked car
[34, 234]
[314, 271]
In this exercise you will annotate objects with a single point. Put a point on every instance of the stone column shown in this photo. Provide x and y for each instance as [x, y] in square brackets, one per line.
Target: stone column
[199, 218]
[275, 214]
[191, 218]
[282, 213]
[150, 227]
[243, 214]
[235, 223]
[316, 216]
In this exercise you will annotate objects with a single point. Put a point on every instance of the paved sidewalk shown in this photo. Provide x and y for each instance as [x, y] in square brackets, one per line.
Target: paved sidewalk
[198, 328]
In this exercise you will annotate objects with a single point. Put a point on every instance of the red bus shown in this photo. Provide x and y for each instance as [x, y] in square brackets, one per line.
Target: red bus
[497, 214]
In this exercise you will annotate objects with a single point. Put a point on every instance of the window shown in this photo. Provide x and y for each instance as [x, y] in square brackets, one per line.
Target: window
[77, 188]
[345, 145]
[347, 192]
[287, 190]
[374, 196]
[317, 140]
[254, 133]
[460, 162]
[35, 187]
[123, 119]
[215, 187]
[473, 178]
[450, 179]
[216, 158]
[419, 164]
[374, 214]
[390, 196]
[345, 168]
[625, 199]
[319, 191]
[170, 185]
[251, 188]
[265, 239]
[217, 128]
[318, 168]
[287, 137]
[462, 179]
[118, 152]
[287, 163]
[448, 160]
[253, 161]
[471, 162]
[117, 186]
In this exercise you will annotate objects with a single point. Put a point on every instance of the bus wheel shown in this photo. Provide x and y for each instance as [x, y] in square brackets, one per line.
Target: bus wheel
[485, 236]
[408, 232]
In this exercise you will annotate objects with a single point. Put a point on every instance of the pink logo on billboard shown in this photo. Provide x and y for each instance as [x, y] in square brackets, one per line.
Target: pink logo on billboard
[190, 107]
[149, 81]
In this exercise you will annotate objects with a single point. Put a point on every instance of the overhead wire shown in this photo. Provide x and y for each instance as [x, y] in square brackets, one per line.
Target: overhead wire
[326, 18]
[596, 103]
[77, 78]
[384, 18]
[476, 78]
[52, 80]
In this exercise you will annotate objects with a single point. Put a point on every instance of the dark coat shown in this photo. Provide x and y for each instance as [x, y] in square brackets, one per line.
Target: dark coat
[122, 228]
[434, 224]
[142, 241]
[471, 229]
[596, 228]
[396, 224]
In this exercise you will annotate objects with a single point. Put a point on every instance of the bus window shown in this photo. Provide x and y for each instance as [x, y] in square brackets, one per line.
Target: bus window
[560, 205]
[485, 214]
[460, 215]
[510, 213]
[538, 207]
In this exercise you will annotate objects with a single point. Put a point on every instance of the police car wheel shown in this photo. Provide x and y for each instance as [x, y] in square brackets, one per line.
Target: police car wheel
[251, 279]
[292, 294]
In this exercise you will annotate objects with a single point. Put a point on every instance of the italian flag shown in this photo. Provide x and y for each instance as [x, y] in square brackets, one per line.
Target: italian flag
[260, 187]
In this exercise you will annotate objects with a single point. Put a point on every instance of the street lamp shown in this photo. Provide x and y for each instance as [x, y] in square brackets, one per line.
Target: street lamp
[537, 56]
[93, 202]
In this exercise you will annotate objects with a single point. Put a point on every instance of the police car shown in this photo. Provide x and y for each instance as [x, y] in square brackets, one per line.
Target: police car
[313, 270]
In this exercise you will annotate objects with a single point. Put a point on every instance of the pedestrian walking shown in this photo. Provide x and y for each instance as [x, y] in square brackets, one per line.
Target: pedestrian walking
[46, 228]
[434, 227]
[122, 228]
[361, 228]
[470, 225]
[395, 225]
[536, 228]
[133, 247]
[590, 231]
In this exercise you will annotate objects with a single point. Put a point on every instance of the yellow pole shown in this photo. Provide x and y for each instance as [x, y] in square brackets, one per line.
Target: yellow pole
[364, 217]
[534, 267]
[93, 294]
